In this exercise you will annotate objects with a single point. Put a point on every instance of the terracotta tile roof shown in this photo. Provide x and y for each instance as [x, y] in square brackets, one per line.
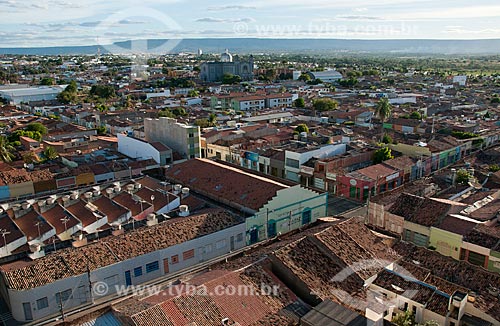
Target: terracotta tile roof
[80, 210]
[460, 273]
[111, 209]
[7, 224]
[216, 180]
[411, 290]
[379, 171]
[456, 225]
[55, 214]
[485, 236]
[127, 200]
[15, 176]
[420, 210]
[400, 163]
[146, 240]
[28, 224]
[74, 261]
[41, 175]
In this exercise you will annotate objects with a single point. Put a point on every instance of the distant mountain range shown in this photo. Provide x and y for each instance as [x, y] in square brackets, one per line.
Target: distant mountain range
[255, 45]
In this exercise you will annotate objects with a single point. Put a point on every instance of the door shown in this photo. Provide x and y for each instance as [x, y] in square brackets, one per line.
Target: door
[82, 293]
[231, 243]
[128, 278]
[165, 265]
[254, 236]
[27, 311]
[271, 229]
[306, 217]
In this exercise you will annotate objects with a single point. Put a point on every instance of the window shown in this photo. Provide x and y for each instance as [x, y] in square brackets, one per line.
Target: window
[405, 308]
[191, 135]
[42, 303]
[174, 259]
[208, 248]
[188, 254]
[62, 297]
[414, 310]
[292, 163]
[476, 259]
[138, 271]
[151, 267]
[220, 244]
[239, 237]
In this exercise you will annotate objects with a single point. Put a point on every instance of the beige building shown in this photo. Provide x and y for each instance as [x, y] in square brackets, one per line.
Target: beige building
[181, 138]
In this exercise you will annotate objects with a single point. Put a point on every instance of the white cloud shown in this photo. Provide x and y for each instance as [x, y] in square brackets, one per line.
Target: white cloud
[224, 20]
[230, 7]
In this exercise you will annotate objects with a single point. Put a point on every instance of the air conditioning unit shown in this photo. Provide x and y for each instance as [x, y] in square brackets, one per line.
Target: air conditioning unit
[184, 210]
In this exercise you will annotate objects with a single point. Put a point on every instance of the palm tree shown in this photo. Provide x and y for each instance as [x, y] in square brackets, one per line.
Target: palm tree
[212, 119]
[50, 153]
[5, 150]
[383, 110]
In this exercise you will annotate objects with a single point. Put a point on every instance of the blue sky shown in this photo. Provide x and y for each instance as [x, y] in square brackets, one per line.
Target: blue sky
[84, 22]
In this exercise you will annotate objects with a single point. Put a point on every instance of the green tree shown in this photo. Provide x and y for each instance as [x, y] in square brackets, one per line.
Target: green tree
[6, 150]
[47, 81]
[102, 91]
[350, 82]
[386, 139]
[382, 154]
[212, 119]
[230, 79]
[301, 128]
[69, 94]
[37, 126]
[463, 177]
[304, 77]
[404, 319]
[494, 168]
[416, 115]
[383, 110]
[299, 103]
[50, 153]
[101, 130]
[325, 104]
[193, 93]
[202, 123]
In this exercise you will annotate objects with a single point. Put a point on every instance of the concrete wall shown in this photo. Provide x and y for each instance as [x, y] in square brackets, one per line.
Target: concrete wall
[446, 243]
[136, 148]
[21, 189]
[286, 211]
[174, 135]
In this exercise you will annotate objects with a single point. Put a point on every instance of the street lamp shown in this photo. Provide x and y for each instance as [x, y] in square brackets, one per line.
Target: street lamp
[153, 201]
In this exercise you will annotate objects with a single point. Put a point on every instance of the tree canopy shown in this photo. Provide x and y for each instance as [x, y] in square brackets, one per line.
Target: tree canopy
[382, 154]
[301, 128]
[325, 104]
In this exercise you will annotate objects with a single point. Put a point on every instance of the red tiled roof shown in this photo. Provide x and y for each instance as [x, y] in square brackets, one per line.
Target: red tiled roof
[216, 180]
[112, 210]
[377, 171]
[54, 216]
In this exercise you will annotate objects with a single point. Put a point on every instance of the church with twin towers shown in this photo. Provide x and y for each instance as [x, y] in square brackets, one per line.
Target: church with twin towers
[228, 64]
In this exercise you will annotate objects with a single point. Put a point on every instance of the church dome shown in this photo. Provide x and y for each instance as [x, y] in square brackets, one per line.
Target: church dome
[226, 56]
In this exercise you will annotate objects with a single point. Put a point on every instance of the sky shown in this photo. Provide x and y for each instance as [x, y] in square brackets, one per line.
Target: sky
[33, 23]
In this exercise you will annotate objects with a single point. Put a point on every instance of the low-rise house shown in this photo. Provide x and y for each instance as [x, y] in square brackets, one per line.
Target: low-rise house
[274, 208]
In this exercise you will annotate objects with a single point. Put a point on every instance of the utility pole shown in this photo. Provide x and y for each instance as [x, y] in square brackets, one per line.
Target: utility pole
[61, 307]
[90, 284]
